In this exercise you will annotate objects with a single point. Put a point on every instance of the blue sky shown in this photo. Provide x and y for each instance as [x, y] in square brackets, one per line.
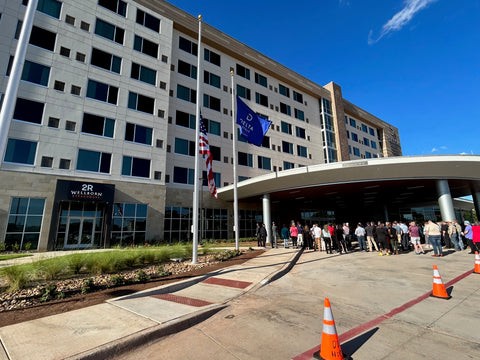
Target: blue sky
[412, 63]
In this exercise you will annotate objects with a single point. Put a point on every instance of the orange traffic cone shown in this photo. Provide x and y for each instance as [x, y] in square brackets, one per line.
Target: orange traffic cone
[476, 269]
[438, 287]
[330, 346]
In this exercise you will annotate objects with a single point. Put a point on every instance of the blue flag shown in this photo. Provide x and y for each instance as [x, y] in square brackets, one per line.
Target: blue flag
[252, 127]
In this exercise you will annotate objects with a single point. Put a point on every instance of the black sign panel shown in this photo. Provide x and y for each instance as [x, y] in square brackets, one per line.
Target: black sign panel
[84, 191]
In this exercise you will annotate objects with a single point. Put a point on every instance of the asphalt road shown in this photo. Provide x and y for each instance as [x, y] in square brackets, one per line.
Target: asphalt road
[380, 306]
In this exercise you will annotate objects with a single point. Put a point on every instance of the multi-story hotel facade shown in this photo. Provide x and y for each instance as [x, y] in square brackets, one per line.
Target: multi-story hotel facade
[101, 144]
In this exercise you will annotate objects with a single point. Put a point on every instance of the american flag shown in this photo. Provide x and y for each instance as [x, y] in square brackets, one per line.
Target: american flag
[205, 150]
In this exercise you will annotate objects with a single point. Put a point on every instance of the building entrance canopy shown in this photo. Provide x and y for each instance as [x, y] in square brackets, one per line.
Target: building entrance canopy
[368, 183]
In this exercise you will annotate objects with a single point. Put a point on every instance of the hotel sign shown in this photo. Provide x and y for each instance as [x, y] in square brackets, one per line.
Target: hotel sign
[84, 191]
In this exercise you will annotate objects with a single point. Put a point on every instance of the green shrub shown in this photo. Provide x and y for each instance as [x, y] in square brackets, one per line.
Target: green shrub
[17, 276]
[118, 280]
[76, 262]
[3, 246]
[88, 286]
[28, 246]
[48, 293]
[162, 272]
[61, 295]
[51, 269]
[141, 276]
[16, 247]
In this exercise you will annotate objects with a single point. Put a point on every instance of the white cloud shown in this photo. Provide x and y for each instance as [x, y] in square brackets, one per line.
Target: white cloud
[400, 19]
[435, 149]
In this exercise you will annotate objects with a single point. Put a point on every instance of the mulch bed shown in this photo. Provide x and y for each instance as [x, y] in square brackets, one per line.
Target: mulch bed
[79, 301]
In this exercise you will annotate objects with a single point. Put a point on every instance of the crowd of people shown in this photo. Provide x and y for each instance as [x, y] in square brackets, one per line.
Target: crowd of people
[389, 238]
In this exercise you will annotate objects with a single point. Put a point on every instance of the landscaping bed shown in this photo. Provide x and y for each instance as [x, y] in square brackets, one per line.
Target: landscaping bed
[79, 292]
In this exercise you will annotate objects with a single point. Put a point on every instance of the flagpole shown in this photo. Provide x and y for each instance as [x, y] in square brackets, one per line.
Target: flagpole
[13, 83]
[235, 194]
[196, 181]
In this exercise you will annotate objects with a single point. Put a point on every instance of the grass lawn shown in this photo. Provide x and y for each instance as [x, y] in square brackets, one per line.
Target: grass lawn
[13, 256]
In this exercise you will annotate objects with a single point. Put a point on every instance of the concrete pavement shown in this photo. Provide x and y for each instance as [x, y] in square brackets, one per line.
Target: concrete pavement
[381, 307]
[102, 331]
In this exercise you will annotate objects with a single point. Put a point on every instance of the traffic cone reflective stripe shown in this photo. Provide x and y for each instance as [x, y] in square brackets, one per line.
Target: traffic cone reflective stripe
[438, 287]
[330, 346]
[476, 269]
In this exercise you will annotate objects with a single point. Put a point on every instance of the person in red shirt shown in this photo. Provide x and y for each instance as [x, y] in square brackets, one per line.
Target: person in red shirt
[476, 237]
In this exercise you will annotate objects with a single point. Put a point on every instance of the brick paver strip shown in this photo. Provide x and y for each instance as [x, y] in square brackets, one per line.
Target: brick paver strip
[225, 282]
[182, 300]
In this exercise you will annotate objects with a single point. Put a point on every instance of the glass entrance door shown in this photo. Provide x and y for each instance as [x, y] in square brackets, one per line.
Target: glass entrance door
[80, 233]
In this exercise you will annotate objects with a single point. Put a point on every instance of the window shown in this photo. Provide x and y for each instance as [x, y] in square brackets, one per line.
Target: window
[374, 145]
[24, 223]
[285, 91]
[184, 147]
[43, 38]
[245, 159]
[354, 137]
[145, 46]
[185, 120]
[216, 178]
[368, 155]
[85, 26]
[47, 162]
[216, 153]
[211, 102]
[287, 147]
[80, 57]
[75, 90]
[102, 92]
[353, 123]
[64, 164]
[132, 166]
[261, 99]
[366, 141]
[53, 122]
[141, 103]
[59, 85]
[186, 69]
[213, 127]
[288, 165]
[98, 125]
[297, 97]
[144, 74]
[240, 137]
[264, 163]
[129, 224]
[188, 46]
[186, 94]
[285, 109]
[109, 31]
[286, 128]
[20, 152]
[50, 7]
[94, 161]
[266, 142]
[28, 110]
[35, 73]
[211, 79]
[327, 107]
[65, 51]
[148, 20]
[70, 20]
[356, 151]
[138, 134]
[364, 128]
[183, 175]
[261, 80]
[106, 61]
[243, 71]
[371, 131]
[243, 92]
[70, 125]
[212, 57]
[299, 114]
[300, 132]
[301, 151]
[117, 6]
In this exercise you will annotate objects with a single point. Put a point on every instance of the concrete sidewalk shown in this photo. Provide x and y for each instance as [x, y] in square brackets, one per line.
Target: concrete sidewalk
[101, 331]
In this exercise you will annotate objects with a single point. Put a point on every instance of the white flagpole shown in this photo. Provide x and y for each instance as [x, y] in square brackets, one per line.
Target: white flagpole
[196, 181]
[236, 230]
[15, 75]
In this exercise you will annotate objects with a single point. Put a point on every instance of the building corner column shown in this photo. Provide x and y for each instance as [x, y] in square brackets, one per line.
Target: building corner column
[267, 218]
[445, 200]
